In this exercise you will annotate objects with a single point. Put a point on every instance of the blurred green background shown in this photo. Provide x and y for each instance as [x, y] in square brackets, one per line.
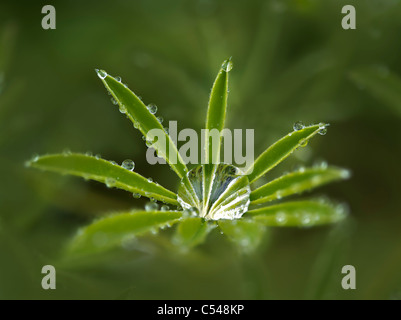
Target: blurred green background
[292, 61]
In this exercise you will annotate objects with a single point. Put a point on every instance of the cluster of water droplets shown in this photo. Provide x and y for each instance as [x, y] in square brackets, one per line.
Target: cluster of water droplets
[299, 125]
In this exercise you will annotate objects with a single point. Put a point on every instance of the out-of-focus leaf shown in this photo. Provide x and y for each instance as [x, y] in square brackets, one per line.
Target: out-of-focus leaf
[281, 150]
[104, 171]
[297, 182]
[191, 232]
[382, 84]
[246, 233]
[299, 214]
[112, 231]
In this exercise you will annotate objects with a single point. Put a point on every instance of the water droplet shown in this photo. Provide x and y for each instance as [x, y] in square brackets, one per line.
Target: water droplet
[153, 231]
[114, 163]
[110, 182]
[166, 130]
[152, 108]
[128, 164]
[281, 218]
[118, 78]
[303, 142]
[160, 119]
[228, 197]
[150, 179]
[136, 195]
[89, 154]
[123, 109]
[98, 156]
[345, 174]
[306, 219]
[67, 152]
[136, 125]
[322, 129]
[227, 65]
[301, 169]
[165, 208]
[113, 100]
[101, 73]
[299, 125]
[151, 206]
[143, 138]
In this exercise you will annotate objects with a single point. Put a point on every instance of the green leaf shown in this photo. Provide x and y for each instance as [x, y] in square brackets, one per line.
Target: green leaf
[112, 231]
[281, 150]
[297, 182]
[145, 121]
[382, 84]
[247, 234]
[215, 119]
[299, 214]
[104, 171]
[191, 232]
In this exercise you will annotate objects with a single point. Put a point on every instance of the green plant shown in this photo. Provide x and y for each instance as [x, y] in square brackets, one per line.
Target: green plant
[210, 195]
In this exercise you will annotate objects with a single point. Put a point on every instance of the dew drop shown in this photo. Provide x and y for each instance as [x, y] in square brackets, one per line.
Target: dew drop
[160, 119]
[303, 142]
[299, 125]
[150, 179]
[67, 152]
[113, 101]
[151, 206]
[136, 195]
[165, 208]
[110, 182]
[118, 78]
[281, 218]
[101, 73]
[166, 130]
[123, 109]
[152, 108]
[227, 65]
[114, 163]
[322, 129]
[98, 156]
[128, 164]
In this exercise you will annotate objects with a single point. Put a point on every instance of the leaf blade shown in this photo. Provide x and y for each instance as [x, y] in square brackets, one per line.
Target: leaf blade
[109, 232]
[145, 121]
[191, 232]
[101, 170]
[215, 120]
[245, 233]
[281, 150]
[304, 213]
[297, 182]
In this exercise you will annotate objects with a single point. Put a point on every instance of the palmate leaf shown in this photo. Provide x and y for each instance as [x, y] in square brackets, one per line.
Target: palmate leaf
[192, 231]
[297, 182]
[145, 121]
[246, 233]
[215, 119]
[281, 150]
[112, 231]
[305, 213]
[113, 175]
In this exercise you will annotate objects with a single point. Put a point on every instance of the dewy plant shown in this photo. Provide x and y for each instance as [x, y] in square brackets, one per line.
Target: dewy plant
[211, 195]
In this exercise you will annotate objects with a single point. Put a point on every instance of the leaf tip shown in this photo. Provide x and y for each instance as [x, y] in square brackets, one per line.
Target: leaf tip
[227, 65]
[101, 73]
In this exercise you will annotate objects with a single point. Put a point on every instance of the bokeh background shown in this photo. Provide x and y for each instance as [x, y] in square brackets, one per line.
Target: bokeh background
[292, 61]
